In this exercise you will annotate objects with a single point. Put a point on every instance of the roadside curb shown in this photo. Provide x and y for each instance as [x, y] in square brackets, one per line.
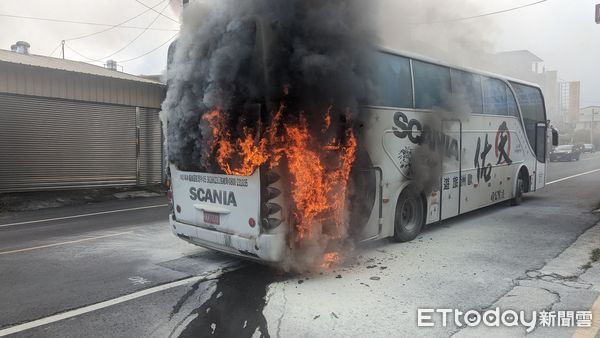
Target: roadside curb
[568, 282]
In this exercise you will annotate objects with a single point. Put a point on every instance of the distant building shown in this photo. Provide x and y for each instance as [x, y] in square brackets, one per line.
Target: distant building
[562, 98]
[574, 101]
[68, 124]
[521, 64]
[586, 116]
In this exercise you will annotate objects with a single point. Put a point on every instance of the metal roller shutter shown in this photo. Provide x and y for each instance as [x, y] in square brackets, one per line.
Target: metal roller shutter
[150, 147]
[52, 143]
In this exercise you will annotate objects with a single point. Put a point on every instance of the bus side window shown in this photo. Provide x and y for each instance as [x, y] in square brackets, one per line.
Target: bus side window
[393, 85]
[494, 97]
[512, 103]
[532, 108]
[466, 91]
[432, 85]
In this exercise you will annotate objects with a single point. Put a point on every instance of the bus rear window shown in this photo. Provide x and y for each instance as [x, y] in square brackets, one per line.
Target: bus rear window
[392, 82]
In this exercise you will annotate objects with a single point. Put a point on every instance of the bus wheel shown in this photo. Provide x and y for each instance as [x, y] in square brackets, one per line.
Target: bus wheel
[410, 216]
[518, 199]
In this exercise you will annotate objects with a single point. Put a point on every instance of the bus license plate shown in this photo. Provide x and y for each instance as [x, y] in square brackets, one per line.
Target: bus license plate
[212, 218]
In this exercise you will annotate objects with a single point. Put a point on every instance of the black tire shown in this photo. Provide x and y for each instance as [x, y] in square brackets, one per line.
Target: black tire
[518, 198]
[409, 216]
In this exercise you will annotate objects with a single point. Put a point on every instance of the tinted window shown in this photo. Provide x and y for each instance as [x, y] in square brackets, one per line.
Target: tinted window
[494, 97]
[533, 111]
[466, 91]
[512, 104]
[432, 85]
[393, 85]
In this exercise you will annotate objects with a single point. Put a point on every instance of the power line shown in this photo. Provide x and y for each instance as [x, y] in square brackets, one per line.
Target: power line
[81, 55]
[159, 13]
[82, 22]
[135, 38]
[115, 26]
[482, 15]
[55, 49]
[128, 60]
[150, 51]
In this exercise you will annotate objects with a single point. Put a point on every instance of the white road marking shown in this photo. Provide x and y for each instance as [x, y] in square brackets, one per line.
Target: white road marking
[574, 176]
[63, 243]
[137, 280]
[111, 302]
[82, 215]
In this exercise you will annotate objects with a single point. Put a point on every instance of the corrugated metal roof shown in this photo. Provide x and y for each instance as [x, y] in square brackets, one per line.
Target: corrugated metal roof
[67, 65]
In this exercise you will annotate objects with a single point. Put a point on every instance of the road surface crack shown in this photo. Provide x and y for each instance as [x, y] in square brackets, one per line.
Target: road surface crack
[572, 282]
[280, 320]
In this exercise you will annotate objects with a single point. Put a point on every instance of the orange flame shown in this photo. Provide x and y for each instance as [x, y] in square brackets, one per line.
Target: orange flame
[329, 259]
[318, 173]
[309, 185]
[246, 152]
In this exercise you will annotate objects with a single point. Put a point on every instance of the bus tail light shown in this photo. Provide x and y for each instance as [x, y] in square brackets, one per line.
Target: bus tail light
[169, 193]
[272, 177]
[268, 206]
[271, 223]
[272, 193]
[271, 208]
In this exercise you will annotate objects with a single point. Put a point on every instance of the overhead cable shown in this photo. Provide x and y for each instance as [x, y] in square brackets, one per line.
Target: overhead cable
[481, 15]
[83, 22]
[117, 25]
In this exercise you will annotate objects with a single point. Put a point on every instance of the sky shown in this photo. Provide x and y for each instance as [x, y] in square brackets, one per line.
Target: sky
[561, 32]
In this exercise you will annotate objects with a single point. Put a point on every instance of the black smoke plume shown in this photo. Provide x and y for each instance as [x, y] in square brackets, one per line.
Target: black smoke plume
[312, 54]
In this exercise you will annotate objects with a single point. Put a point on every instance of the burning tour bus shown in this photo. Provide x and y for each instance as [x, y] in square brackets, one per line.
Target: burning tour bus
[289, 137]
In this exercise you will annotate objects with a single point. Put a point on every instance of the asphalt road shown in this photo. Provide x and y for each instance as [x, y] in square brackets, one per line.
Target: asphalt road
[53, 263]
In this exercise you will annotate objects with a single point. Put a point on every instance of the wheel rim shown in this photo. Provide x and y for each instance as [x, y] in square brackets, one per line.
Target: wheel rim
[409, 213]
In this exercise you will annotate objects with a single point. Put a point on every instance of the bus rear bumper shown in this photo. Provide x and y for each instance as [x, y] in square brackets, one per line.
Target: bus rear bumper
[268, 248]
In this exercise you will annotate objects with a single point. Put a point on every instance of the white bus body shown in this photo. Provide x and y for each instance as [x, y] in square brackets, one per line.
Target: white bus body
[492, 152]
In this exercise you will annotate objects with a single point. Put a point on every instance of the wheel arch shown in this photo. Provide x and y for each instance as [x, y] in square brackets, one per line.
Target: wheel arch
[524, 172]
[393, 202]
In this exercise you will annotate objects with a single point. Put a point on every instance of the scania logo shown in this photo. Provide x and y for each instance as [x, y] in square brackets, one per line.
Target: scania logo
[420, 134]
[213, 196]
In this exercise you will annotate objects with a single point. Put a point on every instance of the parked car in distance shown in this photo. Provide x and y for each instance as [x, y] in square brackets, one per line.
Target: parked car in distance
[588, 148]
[567, 152]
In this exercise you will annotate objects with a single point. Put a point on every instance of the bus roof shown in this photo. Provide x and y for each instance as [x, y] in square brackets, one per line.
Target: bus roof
[419, 57]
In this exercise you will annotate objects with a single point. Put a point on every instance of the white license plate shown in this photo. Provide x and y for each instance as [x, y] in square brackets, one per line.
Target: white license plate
[212, 218]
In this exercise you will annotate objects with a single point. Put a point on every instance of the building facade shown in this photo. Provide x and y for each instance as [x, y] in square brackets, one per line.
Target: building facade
[562, 98]
[589, 118]
[66, 124]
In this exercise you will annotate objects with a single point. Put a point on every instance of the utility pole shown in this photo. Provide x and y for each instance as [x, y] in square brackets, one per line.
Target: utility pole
[592, 127]
[63, 48]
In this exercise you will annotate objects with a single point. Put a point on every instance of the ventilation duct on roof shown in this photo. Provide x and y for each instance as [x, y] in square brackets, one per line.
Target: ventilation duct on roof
[21, 47]
[111, 64]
